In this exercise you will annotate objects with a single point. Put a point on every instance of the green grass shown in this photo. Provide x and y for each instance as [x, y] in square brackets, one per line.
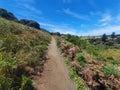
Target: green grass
[26, 83]
[81, 59]
[20, 46]
[110, 70]
[74, 76]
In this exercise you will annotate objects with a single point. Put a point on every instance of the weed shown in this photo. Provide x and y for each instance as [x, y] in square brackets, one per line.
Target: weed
[74, 76]
[110, 70]
[6, 83]
[99, 57]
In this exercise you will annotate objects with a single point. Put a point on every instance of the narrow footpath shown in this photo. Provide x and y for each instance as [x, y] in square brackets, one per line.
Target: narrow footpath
[55, 75]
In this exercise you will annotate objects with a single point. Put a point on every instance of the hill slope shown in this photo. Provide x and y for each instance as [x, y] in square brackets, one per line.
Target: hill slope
[22, 53]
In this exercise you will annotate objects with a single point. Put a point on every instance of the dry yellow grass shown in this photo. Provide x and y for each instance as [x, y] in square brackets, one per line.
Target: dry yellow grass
[115, 53]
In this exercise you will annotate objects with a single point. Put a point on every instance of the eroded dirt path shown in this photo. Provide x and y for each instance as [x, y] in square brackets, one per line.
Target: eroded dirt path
[55, 75]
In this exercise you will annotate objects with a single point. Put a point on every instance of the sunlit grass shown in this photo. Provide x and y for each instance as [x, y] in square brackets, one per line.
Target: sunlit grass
[20, 46]
[115, 53]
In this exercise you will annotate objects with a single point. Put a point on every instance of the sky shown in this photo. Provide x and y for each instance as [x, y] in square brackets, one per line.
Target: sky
[77, 17]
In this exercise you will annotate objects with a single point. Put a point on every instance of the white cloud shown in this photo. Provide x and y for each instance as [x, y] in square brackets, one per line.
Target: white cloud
[47, 24]
[31, 8]
[118, 17]
[68, 30]
[100, 31]
[63, 28]
[103, 24]
[106, 18]
[26, 9]
[73, 14]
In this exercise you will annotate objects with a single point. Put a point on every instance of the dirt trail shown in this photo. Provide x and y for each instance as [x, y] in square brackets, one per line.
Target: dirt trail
[55, 75]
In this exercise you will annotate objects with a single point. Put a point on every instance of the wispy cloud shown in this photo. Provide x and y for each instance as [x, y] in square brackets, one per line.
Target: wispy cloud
[118, 17]
[31, 8]
[100, 31]
[26, 9]
[63, 28]
[106, 18]
[47, 24]
[68, 30]
[73, 14]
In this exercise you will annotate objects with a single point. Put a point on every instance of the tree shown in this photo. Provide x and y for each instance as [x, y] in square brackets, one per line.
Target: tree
[113, 35]
[104, 38]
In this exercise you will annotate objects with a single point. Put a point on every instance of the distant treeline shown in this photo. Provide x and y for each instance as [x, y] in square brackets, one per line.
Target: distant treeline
[10, 16]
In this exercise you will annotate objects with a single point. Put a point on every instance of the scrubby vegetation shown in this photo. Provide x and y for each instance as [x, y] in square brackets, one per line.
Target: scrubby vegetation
[30, 23]
[10, 16]
[22, 54]
[94, 59]
[69, 51]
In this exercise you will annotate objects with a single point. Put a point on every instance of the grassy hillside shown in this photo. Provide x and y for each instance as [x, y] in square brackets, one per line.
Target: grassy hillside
[95, 65]
[22, 53]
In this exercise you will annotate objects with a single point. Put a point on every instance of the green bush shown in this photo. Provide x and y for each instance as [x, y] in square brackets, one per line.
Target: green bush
[41, 49]
[26, 83]
[110, 70]
[77, 79]
[110, 58]
[67, 60]
[6, 83]
[81, 59]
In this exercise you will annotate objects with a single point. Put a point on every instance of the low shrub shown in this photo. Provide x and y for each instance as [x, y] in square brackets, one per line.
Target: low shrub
[74, 76]
[26, 83]
[77, 79]
[67, 60]
[81, 59]
[110, 70]
[112, 60]
[6, 83]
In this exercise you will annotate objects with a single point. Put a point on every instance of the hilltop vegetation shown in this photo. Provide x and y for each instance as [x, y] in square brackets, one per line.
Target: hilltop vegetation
[10, 16]
[22, 54]
[30, 23]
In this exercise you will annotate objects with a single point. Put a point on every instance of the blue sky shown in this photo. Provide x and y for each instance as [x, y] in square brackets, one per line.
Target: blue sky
[77, 17]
